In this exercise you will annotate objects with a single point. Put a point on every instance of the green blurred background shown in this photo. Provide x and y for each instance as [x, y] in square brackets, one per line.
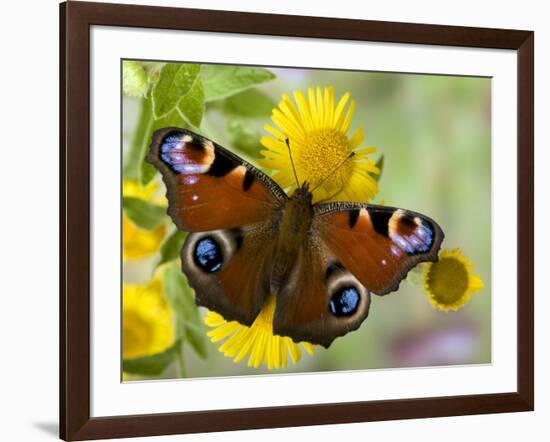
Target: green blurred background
[435, 135]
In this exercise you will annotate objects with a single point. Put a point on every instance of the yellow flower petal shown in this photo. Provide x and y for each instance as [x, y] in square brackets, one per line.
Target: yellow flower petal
[329, 106]
[257, 341]
[278, 135]
[222, 332]
[347, 120]
[287, 125]
[308, 347]
[283, 352]
[320, 108]
[303, 108]
[152, 192]
[290, 112]
[274, 146]
[213, 319]
[147, 323]
[232, 346]
[313, 108]
[137, 242]
[247, 345]
[294, 350]
[357, 139]
[339, 112]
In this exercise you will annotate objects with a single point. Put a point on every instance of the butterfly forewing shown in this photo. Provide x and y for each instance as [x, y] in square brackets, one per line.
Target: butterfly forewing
[208, 187]
[378, 244]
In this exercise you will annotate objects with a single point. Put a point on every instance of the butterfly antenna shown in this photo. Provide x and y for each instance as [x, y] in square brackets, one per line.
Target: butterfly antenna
[292, 163]
[340, 164]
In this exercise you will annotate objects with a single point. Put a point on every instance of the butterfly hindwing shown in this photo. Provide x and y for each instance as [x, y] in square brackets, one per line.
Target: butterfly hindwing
[229, 269]
[208, 187]
[353, 249]
[321, 300]
[378, 244]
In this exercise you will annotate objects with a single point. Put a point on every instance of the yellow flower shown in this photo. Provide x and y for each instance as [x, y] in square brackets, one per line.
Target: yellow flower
[147, 323]
[258, 340]
[449, 283]
[151, 192]
[316, 131]
[137, 242]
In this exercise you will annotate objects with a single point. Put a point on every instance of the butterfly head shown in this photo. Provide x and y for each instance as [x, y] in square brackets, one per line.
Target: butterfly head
[303, 194]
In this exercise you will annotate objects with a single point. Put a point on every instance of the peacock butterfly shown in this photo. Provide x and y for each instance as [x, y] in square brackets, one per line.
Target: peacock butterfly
[248, 239]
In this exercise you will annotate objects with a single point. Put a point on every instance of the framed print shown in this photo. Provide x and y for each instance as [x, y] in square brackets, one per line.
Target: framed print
[275, 220]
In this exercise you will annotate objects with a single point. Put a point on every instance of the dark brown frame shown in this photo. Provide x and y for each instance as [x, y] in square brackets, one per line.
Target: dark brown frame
[75, 21]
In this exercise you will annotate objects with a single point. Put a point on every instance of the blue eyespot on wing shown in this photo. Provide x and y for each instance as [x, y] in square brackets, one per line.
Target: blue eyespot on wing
[344, 302]
[208, 255]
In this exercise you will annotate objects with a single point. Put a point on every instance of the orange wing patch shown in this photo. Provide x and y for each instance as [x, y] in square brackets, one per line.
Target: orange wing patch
[204, 202]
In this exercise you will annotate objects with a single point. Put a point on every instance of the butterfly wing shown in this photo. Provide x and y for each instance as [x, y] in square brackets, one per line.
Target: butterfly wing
[229, 269]
[321, 300]
[209, 187]
[354, 249]
[231, 209]
[378, 244]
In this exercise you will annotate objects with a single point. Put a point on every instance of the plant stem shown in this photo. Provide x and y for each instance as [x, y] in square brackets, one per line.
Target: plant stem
[180, 361]
[136, 153]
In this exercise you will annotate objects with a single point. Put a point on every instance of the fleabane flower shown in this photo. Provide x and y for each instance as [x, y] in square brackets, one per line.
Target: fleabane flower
[315, 130]
[449, 283]
[147, 323]
[257, 341]
[137, 242]
[151, 192]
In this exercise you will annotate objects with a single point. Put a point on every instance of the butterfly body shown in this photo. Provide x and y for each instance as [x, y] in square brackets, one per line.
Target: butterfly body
[249, 239]
[292, 232]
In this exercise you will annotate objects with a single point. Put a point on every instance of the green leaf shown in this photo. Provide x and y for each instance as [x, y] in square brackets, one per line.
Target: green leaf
[148, 172]
[224, 81]
[134, 78]
[171, 247]
[192, 105]
[195, 333]
[380, 165]
[416, 275]
[143, 214]
[175, 81]
[243, 137]
[152, 365]
[153, 68]
[250, 103]
[181, 299]
[138, 148]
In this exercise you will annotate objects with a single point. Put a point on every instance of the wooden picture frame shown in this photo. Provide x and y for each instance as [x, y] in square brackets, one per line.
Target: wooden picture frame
[75, 21]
